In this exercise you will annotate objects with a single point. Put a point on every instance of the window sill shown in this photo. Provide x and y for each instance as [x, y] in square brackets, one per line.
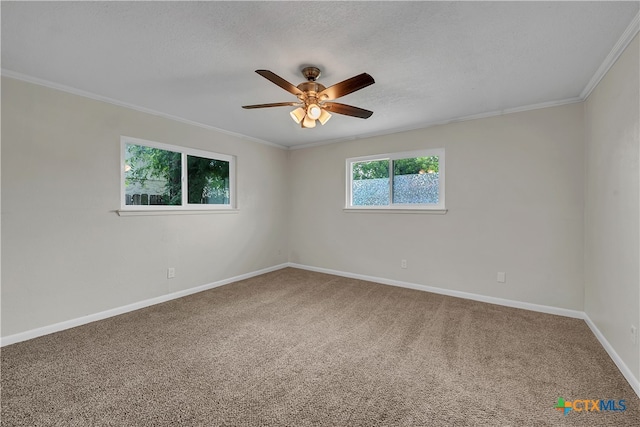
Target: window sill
[396, 210]
[152, 212]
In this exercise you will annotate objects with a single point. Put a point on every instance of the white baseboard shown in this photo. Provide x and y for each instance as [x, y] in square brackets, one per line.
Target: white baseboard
[452, 293]
[624, 369]
[72, 323]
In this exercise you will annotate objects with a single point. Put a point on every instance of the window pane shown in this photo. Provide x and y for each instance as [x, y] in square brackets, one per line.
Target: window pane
[370, 183]
[152, 176]
[208, 181]
[415, 180]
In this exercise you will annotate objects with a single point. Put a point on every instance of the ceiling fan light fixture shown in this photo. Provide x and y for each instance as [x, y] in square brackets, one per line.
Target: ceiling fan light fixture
[308, 122]
[314, 99]
[313, 111]
[324, 117]
[298, 114]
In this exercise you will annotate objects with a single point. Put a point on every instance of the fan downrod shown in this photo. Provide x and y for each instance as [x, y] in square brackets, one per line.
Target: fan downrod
[311, 73]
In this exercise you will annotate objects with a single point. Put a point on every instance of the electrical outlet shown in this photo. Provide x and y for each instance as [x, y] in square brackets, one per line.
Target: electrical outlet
[171, 273]
[634, 334]
[403, 263]
[502, 277]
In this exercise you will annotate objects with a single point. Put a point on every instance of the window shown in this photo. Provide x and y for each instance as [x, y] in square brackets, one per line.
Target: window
[411, 180]
[164, 177]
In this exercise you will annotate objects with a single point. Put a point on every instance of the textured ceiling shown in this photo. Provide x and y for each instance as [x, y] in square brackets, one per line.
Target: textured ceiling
[432, 61]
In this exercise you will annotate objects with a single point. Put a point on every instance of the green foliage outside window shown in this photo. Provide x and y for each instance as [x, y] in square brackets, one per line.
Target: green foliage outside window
[371, 169]
[380, 168]
[153, 164]
[206, 177]
[416, 165]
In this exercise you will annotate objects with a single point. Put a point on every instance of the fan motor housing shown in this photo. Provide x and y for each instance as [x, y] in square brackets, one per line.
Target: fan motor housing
[311, 73]
[311, 87]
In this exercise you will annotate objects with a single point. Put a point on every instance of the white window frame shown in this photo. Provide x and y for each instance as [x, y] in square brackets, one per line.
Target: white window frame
[185, 207]
[398, 207]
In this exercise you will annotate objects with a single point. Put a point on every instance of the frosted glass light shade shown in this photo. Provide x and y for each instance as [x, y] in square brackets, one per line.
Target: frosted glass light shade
[308, 122]
[324, 117]
[298, 114]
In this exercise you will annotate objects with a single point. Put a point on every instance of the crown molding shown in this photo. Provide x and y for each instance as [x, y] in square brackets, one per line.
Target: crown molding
[96, 97]
[426, 125]
[78, 92]
[613, 56]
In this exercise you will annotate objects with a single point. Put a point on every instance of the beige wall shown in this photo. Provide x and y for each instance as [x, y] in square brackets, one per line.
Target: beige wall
[612, 211]
[514, 191]
[67, 254]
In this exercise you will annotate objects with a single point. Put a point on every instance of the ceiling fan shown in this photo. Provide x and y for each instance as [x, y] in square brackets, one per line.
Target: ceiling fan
[314, 100]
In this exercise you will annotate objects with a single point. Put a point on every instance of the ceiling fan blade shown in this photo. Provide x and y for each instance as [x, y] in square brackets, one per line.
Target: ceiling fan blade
[347, 110]
[346, 87]
[275, 104]
[274, 78]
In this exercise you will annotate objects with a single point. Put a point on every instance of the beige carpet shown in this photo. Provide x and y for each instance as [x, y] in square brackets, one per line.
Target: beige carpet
[297, 348]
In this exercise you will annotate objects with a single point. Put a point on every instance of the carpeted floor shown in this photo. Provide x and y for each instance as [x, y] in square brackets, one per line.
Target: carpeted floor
[298, 348]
